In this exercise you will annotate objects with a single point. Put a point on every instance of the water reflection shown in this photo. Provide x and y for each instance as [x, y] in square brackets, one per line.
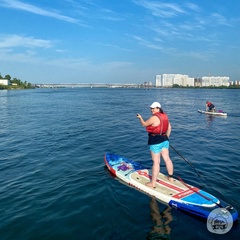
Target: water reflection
[210, 119]
[3, 97]
[161, 228]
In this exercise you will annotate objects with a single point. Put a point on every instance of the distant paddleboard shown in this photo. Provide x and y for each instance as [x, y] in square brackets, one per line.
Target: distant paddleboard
[217, 113]
[175, 193]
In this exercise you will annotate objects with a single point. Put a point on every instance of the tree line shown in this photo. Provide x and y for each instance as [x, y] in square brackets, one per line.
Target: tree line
[15, 83]
[234, 86]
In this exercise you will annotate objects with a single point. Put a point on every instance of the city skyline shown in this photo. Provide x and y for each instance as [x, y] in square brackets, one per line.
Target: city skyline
[129, 41]
[168, 80]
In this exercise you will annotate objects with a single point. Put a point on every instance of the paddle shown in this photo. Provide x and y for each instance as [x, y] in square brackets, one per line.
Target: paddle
[202, 195]
[188, 163]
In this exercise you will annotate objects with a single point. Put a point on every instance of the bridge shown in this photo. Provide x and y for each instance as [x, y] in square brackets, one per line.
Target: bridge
[86, 85]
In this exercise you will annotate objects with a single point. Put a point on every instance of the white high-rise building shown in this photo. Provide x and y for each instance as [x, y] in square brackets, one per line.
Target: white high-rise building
[215, 81]
[168, 80]
[159, 81]
[183, 80]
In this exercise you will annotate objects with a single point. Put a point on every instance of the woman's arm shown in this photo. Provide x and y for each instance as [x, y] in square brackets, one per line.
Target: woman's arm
[168, 133]
[148, 122]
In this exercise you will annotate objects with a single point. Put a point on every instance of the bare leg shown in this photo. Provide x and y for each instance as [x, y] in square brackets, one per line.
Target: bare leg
[155, 169]
[167, 160]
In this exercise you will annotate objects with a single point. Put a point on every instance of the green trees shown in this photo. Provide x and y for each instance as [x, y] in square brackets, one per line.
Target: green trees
[15, 83]
[8, 77]
[19, 84]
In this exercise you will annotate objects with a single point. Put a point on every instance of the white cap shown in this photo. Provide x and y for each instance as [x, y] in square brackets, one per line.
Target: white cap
[155, 105]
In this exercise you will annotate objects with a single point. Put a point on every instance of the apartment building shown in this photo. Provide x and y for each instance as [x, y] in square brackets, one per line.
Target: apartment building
[168, 80]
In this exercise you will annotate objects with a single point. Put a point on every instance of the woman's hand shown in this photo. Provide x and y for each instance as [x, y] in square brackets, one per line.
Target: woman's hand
[139, 116]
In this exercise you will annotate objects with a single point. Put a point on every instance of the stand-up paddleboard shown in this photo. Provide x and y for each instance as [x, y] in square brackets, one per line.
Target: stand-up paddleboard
[217, 113]
[175, 193]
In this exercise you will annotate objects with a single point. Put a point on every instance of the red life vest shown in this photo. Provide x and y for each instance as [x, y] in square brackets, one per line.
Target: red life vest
[162, 127]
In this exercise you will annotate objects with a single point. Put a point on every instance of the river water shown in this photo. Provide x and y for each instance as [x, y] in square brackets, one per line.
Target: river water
[54, 184]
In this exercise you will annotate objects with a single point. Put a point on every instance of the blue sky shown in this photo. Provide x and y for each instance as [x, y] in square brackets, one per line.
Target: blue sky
[118, 41]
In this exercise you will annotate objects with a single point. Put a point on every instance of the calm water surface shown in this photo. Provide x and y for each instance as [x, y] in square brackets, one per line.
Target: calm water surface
[54, 184]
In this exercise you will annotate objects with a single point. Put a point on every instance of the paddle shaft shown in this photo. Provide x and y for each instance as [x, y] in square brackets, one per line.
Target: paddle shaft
[187, 162]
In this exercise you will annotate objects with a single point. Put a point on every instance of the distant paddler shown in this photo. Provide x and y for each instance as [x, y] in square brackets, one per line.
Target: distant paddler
[210, 107]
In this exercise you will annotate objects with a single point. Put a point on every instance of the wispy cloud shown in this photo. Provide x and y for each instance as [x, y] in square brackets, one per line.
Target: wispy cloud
[220, 19]
[36, 10]
[184, 22]
[108, 14]
[146, 43]
[11, 41]
[161, 9]
[193, 7]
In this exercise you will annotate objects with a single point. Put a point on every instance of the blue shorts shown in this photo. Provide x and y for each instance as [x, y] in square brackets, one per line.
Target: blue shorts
[157, 148]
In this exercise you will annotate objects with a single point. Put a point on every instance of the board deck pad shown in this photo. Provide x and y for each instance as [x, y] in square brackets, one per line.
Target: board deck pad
[163, 185]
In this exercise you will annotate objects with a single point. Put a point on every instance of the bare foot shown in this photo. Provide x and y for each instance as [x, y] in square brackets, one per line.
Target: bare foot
[170, 178]
[149, 184]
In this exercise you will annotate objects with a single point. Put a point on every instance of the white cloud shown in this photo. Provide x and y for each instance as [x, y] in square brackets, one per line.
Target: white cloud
[220, 19]
[11, 41]
[161, 9]
[193, 7]
[147, 44]
[36, 10]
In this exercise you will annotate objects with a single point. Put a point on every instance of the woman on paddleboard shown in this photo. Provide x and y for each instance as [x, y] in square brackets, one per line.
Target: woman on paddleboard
[159, 130]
